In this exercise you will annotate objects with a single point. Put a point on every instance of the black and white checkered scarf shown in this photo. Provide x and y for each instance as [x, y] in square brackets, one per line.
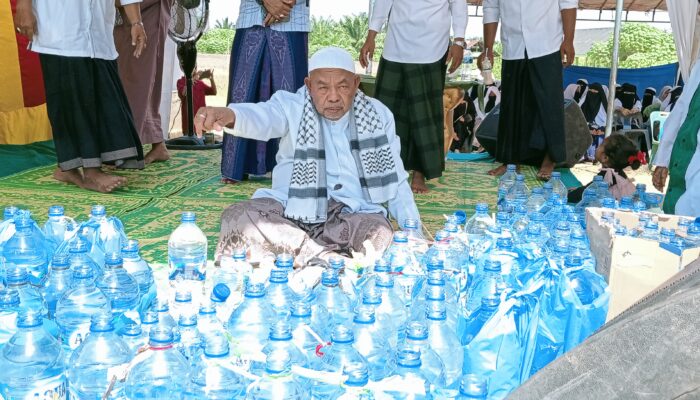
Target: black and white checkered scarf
[308, 195]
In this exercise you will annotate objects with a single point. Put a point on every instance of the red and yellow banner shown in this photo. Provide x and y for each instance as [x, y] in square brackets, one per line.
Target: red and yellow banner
[23, 117]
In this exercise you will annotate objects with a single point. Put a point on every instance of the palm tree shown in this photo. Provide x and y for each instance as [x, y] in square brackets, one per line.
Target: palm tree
[225, 24]
[355, 27]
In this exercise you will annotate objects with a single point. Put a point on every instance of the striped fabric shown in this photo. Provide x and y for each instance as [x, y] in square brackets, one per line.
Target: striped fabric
[251, 14]
[23, 117]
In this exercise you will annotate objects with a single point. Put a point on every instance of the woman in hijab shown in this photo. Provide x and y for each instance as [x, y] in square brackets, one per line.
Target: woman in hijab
[595, 110]
[577, 91]
[492, 98]
[673, 98]
[648, 100]
[464, 118]
[627, 103]
[663, 96]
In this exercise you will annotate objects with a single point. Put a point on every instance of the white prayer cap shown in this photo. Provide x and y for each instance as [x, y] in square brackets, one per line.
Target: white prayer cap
[332, 57]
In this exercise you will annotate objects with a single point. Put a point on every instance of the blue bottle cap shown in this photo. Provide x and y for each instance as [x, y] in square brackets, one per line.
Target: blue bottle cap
[408, 357]
[98, 210]
[400, 237]
[221, 292]
[56, 211]
[416, 331]
[461, 216]
[188, 216]
[342, 335]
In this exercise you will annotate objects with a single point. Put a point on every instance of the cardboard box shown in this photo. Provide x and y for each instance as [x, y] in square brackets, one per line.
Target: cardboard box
[633, 267]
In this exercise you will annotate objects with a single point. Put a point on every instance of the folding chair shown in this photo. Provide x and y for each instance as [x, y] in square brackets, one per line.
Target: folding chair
[638, 135]
[657, 117]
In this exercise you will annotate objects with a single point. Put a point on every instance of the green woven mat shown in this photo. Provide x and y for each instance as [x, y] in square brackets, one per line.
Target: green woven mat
[17, 158]
[150, 206]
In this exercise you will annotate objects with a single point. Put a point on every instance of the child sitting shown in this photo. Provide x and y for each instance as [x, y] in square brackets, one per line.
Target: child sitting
[199, 92]
[616, 153]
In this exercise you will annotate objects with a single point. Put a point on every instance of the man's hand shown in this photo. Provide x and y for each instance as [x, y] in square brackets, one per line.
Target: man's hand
[568, 53]
[480, 59]
[454, 57]
[25, 21]
[207, 73]
[277, 10]
[367, 50]
[138, 38]
[213, 119]
[659, 178]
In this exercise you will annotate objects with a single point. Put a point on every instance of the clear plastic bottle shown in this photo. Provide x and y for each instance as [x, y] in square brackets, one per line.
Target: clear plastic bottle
[26, 249]
[250, 325]
[407, 380]
[558, 186]
[190, 344]
[354, 387]
[120, 287]
[187, 250]
[17, 280]
[164, 319]
[108, 231]
[279, 294]
[281, 339]
[651, 231]
[692, 239]
[32, 363]
[472, 387]
[306, 335]
[518, 191]
[331, 296]
[371, 342]
[234, 272]
[59, 280]
[480, 221]
[134, 337]
[278, 381]
[336, 358]
[403, 260]
[443, 251]
[58, 227]
[416, 239]
[150, 321]
[141, 271]
[667, 235]
[443, 340]
[182, 303]
[431, 364]
[160, 372]
[507, 180]
[77, 306]
[100, 361]
[547, 190]
[536, 200]
[9, 310]
[587, 284]
[593, 187]
[640, 193]
[392, 307]
[211, 377]
[478, 318]
[7, 226]
[208, 323]
[79, 255]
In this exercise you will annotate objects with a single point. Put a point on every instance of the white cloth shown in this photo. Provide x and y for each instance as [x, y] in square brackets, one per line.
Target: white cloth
[76, 28]
[637, 105]
[689, 202]
[280, 117]
[481, 113]
[332, 57]
[535, 26]
[683, 15]
[419, 30]
[570, 91]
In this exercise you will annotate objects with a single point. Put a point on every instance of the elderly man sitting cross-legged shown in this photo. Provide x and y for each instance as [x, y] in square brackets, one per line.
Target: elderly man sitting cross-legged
[338, 165]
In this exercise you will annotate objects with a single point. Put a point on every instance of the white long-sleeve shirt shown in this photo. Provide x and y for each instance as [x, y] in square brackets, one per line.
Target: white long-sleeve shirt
[526, 25]
[419, 30]
[280, 117]
[76, 28]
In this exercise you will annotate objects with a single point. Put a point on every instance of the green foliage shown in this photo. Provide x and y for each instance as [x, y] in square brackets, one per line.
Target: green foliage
[348, 33]
[225, 24]
[641, 46]
[216, 41]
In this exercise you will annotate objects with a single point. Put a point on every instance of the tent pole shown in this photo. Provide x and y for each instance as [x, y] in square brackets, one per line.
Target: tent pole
[613, 69]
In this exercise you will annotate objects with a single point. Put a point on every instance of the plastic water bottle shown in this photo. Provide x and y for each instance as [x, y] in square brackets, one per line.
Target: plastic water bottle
[467, 61]
[32, 363]
[331, 296]
[141, 271]
[29, 296]
[164, 319]
[278, 381]
[280, 339]
[692, 239]
[58, 227]
[445, 343]
[651, 231]
[60, 279]
[480, 221]
[355, 385]
[490, 283]
[626, 203]
[182, 303]
[26, 249]
[336, 358]
[640, 194]
[7, 226]
[9, 309]
[120, 287]
[100, 361]
[370, 342]
[436, 293]
[558, 186]
[536, 200]
[603, 191]
[234, 272]
[667, 235]
[416, 239]
[211, 377]
[77, 306]
[79, 255]
[134, 337]
[187, 250]
[508, 179]
[306, 335]
[587, 284]
[478, 318]
[519, 192]
[160, 372]
[190, 344]
[347, 284]
[392, 307]
[108, 231]
[407, 381]
[472, 387]
[279, 294]
[445, 254]
[402, 260]
[250, 325]
[432, 366]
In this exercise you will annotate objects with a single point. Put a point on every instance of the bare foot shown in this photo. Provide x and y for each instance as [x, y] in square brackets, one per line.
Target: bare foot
[418, 183]
[498, 171]
[73, 176]
[95, 179]
[546, 169]
[227, 181]
[158, 153]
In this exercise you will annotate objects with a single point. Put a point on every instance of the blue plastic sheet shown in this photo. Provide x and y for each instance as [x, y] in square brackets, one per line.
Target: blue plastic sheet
[656, 77]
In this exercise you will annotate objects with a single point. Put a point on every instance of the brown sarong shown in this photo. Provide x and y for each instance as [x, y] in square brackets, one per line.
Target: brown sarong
[260, 226]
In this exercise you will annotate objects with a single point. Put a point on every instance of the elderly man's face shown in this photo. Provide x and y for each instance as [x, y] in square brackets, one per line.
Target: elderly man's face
[332, 91]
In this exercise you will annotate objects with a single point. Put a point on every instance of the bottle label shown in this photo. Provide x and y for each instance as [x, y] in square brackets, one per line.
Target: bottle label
[49, 389]
[78, 335]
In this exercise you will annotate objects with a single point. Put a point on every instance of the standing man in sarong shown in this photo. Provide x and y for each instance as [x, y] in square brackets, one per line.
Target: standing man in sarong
[88, 110]
[270, 53]
[538, 41]
[143, 77]
[411, 75]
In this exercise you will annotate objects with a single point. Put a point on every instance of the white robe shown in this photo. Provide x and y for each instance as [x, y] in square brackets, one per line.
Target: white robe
[689, 203]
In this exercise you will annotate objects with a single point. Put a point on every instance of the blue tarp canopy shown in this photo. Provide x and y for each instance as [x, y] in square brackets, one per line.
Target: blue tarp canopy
[656, 77]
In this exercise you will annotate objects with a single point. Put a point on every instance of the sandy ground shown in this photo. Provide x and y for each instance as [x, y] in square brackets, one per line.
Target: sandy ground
[220, 64]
